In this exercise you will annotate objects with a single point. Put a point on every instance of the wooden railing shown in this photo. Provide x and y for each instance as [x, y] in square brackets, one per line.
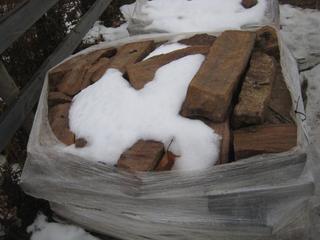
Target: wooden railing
[12, 26]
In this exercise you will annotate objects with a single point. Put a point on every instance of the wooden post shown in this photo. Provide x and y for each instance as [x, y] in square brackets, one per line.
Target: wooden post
[8, 89]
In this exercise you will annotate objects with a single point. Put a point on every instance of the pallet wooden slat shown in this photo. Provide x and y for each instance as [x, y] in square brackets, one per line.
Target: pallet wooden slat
[20, 20]
[12, 119]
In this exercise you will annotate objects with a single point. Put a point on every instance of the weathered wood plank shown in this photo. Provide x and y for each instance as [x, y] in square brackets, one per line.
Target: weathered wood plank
[12, 119]
[20, 20]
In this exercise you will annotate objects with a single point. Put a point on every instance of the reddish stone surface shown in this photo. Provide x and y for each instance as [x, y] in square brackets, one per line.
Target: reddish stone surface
[143, 72]
[269, 138]
[199, 39]
[255, 91]
[211, 91]
[59, 121]
[131, 53]
[167, 162]
[223, 129]
[249, 3]
[99, 69]
[80, 143]
[267, 41]
[56, 74]
[55, 98]
[142, 156]
[280, 106]
[72, 82]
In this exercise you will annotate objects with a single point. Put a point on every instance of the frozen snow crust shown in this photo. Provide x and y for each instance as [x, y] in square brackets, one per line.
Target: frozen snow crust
[112, 116]
[41, 229]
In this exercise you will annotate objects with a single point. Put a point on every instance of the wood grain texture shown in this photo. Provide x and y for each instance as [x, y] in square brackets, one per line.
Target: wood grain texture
[21, 19]
[14, 116]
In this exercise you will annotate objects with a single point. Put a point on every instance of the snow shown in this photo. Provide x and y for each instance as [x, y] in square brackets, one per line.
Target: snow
[41, 229]
[128, 11]
[166, 48]
[300, 28]
[313, 89]
[112, 116]
[99, 32]
[197, 15]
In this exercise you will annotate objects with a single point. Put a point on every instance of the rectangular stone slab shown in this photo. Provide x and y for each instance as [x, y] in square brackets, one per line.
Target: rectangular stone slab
[166, 163]
[142, 156]
[57, 73]
[267, 41]
[96, 71]
[55, 98]
[255, 91]
[269, 138]
[59, 121]
[280, 105]
[143, 72]
[72, 82]
[223, 130]
[211, 91]
[199, 39]
[131, 53]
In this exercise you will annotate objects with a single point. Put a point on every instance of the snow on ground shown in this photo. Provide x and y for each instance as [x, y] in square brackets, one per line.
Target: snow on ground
[112, 116]
[102, 33]
[41, 229]
[166, 48]
[197, 15]
[313, 100]
[300, 29]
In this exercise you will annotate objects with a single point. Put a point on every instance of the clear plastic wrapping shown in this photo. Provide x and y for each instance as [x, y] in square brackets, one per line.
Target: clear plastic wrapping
[262, 197]
[141, 23]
